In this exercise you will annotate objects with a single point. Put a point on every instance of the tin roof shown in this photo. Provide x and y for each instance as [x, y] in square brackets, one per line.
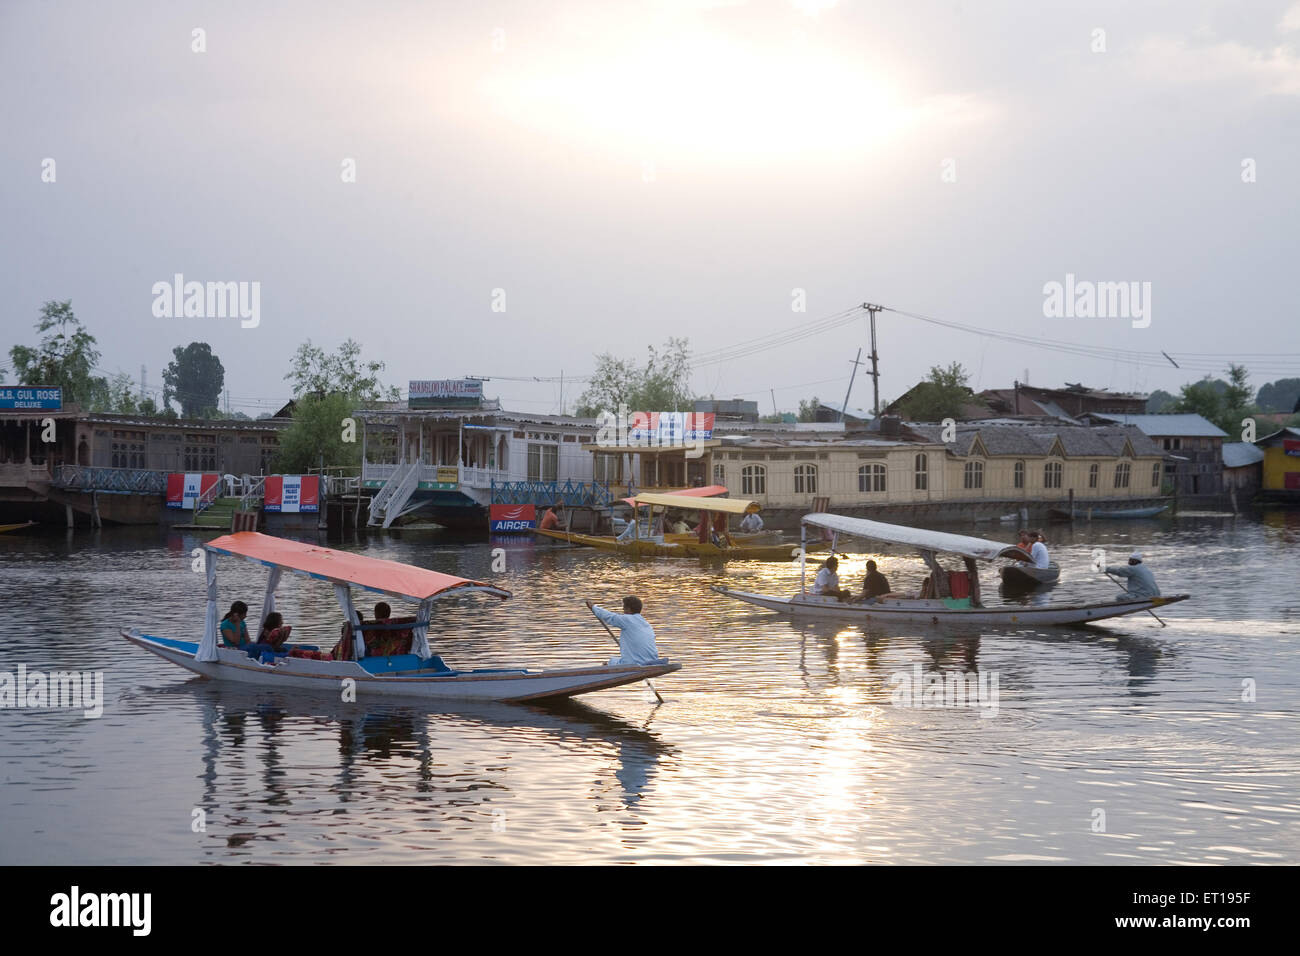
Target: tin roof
[1178, 425]
[1239, 454]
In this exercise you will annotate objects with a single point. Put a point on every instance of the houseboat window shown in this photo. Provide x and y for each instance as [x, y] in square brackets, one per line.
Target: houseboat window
[974, 477]
[805, 479]
[1052, 474]
[719, 474]
[1122, 471]
[871, 478]
[1094, 474]
[543, 462]
[922, 478]
[753, 480]
[200, 452]
[1155, 474]
[128, 449]
[1020, 474]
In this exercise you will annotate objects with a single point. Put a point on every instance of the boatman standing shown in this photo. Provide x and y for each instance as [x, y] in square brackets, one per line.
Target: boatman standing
[636, 638]
[1141, 582]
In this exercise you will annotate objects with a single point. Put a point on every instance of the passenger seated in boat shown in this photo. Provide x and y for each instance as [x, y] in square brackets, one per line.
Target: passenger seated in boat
[828, 580]
[874, 585]
[274, 631]
[636, 638]
[680, 526]
[721, 537]
[751, 523]
[390, 639]
[1039, 551]
[1025, 542]
[234, 632]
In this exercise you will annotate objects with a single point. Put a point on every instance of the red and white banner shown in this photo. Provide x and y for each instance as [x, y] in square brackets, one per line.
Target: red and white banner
[291, 494]
[1291, 447]
[182, 490]
[507, 518]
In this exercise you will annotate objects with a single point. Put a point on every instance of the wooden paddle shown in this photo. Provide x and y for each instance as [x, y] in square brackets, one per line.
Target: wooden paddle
[649, 683]
[1149, 611]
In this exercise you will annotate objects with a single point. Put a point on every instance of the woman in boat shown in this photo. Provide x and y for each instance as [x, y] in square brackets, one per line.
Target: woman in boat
[234, 630]
[274, 631]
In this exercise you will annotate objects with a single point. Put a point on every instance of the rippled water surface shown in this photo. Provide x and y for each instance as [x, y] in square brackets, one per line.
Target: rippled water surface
[778, 742]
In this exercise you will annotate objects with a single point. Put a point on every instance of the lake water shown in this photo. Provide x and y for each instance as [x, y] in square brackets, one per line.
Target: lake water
[778, 742]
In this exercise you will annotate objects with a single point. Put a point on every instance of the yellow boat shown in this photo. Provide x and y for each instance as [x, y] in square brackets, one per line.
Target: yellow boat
[15, 527]
[685, 545]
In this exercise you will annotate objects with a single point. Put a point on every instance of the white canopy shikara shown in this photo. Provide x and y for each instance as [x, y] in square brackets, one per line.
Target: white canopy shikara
[939, 607]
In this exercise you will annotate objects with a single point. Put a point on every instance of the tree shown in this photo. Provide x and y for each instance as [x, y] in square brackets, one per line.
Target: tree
[663, 385]
[1223, 403]
[1159, 401]
[194, 378]
[316, 372]
[808, 409]
[939, 396]
[66, 356]
[1280, 396]
[316, 435]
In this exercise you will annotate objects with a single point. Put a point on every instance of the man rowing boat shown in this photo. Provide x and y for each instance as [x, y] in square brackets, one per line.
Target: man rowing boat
[636, 638]
[1141, 582]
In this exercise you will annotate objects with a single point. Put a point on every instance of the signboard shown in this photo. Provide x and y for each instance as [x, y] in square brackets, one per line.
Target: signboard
[291, 494]
[669, 428]
[25, 396]
[447, 474]
[1291, 447]
[508, 518]
[184, 489]
[445, 393]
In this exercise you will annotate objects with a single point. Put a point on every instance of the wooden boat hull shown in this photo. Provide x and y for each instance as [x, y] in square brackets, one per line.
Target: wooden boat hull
[1060, 514]
[1026, 577]
[690, 549]
[936, 612]
[325, 676]
[15, 527]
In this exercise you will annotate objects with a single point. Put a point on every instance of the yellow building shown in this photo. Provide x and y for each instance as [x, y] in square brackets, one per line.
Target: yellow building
[1281, 462]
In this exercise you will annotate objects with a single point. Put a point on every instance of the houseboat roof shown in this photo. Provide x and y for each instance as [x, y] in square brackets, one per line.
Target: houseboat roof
[1003, 437]
[1240, 454]
[342, 567]
[938, 541]
[1181, 425]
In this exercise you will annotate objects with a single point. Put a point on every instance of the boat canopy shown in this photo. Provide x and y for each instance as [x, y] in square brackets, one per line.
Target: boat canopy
[708, 491]
[342, 567]
[731, 506]
[938, 541]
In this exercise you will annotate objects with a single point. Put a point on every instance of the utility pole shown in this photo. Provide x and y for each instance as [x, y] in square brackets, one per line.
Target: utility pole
[875, 359]
[849, 391]
[772, 392]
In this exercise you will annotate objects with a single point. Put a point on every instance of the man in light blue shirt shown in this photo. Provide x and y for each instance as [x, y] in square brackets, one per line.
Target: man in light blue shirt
[636, 641]
[1141, 582]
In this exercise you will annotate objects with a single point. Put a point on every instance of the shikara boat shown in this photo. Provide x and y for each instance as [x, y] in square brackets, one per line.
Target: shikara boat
[936, 603]
[1064, 514]
[15, 527]
[419, 674]
[633, 544]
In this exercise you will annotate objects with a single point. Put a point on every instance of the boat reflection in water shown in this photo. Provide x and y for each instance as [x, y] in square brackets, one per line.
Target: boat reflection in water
[394, 771]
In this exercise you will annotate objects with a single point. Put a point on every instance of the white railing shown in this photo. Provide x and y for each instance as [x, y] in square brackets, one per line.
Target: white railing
[397, 501]
[254, 487]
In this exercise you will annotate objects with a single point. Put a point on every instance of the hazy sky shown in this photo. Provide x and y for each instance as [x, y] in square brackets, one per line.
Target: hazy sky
[630, 171]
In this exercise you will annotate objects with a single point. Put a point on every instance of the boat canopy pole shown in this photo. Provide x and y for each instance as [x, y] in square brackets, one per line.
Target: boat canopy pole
[344, 595]
[268, 599]
[207, 650]
[803, 557]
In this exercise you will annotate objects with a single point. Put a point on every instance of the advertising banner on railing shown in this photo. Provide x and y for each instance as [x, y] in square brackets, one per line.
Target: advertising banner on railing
[291, 494]
[508, 518]
[183, 490]
[668, 428]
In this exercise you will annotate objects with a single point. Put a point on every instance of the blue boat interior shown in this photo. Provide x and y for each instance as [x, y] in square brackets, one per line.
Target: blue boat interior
[371, 665]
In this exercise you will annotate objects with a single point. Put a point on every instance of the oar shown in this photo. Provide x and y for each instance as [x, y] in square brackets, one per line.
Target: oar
[648, 682]
[1149, 611]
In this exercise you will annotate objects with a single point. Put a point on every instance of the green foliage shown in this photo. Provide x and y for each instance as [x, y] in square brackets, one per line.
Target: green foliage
[313, 371]
[194, 378]
[1223, 403]
[66, 356]
[1279, 396]
[316, 435]
[808, 409]
[1159, 401]
[662, 385]
[940, 396]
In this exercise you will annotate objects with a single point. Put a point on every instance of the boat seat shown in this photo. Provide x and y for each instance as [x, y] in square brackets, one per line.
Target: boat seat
[404, 662]
[957, 604]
